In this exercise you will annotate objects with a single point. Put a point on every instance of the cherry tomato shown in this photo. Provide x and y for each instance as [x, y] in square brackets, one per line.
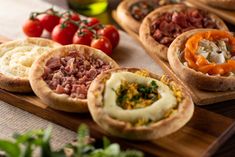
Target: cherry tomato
[33, 28]
[111, 33]
[102, 43]
[91, 21]
[70, 15]
[63, 33]
[83, 36]
[49, 21]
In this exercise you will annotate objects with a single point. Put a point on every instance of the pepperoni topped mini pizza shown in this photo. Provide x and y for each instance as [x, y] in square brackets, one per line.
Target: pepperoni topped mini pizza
[163, 25]
[62, 77]
[132, 12]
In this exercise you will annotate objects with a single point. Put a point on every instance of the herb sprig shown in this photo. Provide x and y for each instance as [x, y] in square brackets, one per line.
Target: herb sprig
[143, 95]
[24, 145]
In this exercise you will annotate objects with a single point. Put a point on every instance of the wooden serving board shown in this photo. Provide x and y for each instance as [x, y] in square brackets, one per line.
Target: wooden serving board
[227, 15]
[199, 97]
[200, 137]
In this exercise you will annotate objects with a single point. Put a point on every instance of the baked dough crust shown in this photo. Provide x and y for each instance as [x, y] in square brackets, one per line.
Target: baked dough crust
[224, 4]
[126, 130]
[56, 101]
[125, 16]
[19, 84]
[192, 77]
[155, 47]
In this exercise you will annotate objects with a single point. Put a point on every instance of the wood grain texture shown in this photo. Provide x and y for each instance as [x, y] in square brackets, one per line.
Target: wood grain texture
[202, 136]
[199, 97]
[227, 15]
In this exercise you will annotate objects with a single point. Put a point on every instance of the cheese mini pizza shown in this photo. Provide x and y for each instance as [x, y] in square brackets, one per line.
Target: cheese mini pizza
[16, 58]
[62, 77]
[132, 12]
[205, 58]
[164, 24]
[138, 105]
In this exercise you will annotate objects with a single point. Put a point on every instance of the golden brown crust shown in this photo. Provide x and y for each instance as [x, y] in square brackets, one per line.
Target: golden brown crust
[125, 16]
[145, 33]
[192, 77]
[17, 84]
[61, 102]
[126, 130]
[224, 4]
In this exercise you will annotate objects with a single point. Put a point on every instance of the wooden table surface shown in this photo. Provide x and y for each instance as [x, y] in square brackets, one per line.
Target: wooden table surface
[225, 108]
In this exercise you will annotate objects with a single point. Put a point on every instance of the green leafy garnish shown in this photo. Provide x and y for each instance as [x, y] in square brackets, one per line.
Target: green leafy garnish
[24, 145]
[133, 95]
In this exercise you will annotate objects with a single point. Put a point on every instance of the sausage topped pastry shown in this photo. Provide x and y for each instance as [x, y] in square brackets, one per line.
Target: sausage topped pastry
[62, 77]
[138, 105]
[16, 58]
[163, 25]
[132, 12]
[205, 59]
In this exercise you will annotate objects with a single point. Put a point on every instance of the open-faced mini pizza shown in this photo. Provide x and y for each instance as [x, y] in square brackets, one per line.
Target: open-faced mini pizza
[16, 58]
[224, 4]
[205, 58]
[62, 77]
[138, 105]
[163, 25]
[132, 12]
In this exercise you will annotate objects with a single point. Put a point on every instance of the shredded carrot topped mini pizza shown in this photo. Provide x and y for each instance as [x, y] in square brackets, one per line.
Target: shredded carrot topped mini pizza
[204, 58]
[211, 52]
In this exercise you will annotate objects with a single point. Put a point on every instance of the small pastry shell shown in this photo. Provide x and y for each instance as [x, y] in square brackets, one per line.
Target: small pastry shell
[155, 47]
[192, 77]
[56, 101]
[126, 130]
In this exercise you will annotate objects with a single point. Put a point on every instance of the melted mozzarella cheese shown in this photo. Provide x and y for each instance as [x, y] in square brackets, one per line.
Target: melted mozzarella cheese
[154, 112]
[17, 61]
[214, 51]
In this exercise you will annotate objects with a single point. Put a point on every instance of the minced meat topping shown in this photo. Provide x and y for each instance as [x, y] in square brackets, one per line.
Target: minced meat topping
[72, 74]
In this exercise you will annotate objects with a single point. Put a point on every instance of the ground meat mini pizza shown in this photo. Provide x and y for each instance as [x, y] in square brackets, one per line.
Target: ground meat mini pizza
[224, 4]
[205, 59]
[16, 58]
[132, 12]
[163, 25]
[138, 105]
[62, 77]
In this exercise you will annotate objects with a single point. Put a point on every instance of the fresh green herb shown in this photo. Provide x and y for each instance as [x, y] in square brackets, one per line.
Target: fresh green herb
[122, 95]
[24, 145]
[133, 95]
[147, 91]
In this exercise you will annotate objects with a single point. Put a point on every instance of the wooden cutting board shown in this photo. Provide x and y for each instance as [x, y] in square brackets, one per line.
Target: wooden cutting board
[201, 137]
[227, 15]
[199, 97]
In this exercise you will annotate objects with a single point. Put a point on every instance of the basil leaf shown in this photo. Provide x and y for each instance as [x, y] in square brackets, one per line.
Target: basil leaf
[10, 148]
[46, 148]
[106, 142]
